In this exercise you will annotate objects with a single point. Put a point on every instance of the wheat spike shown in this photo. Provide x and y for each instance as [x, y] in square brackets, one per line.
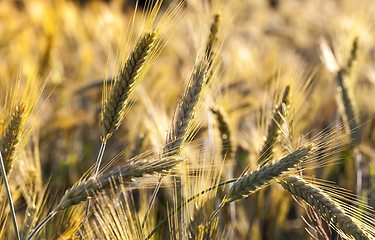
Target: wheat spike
[347, 226]
[350, 108]
[114, 108]
[196, 224]
[225, 132]
[252, 182]
[182, 126]
[13, 136]
[273, 128]
[85, 189]
[212, 38]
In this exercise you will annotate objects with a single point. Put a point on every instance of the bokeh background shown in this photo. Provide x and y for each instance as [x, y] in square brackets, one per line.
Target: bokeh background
[265, 46]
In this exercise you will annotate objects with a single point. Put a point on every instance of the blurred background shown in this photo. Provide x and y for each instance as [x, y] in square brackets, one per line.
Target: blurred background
[266, 45]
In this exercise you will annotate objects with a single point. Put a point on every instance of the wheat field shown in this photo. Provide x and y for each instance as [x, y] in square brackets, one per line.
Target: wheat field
[186, 119]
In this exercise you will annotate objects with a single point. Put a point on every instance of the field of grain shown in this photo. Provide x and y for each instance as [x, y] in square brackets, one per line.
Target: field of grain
[187, 119]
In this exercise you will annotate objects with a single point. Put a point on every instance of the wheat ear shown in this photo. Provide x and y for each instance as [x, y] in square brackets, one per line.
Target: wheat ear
[346, 226]
[225, 132]
[114, 109]
[196, 224]
[13, 136]
[31, 211]
[347, 95]
[183, 123]
[87, 189]
[266, 153]
[212, 39]
[274, 127]
[254, 181]
[349, 111]
[9, 148]
[227, 151]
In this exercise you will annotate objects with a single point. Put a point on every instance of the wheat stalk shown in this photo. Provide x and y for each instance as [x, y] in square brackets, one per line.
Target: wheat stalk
[347, 226]
[9, 196]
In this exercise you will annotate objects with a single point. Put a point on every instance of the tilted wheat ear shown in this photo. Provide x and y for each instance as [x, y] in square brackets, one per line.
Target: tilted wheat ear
[347, 226]
[252, 182]
[85, 189]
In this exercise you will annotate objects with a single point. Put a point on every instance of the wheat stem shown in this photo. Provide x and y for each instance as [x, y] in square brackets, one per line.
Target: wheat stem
[96, 170]
[9, 195]
[153, 197]
[42, 223]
